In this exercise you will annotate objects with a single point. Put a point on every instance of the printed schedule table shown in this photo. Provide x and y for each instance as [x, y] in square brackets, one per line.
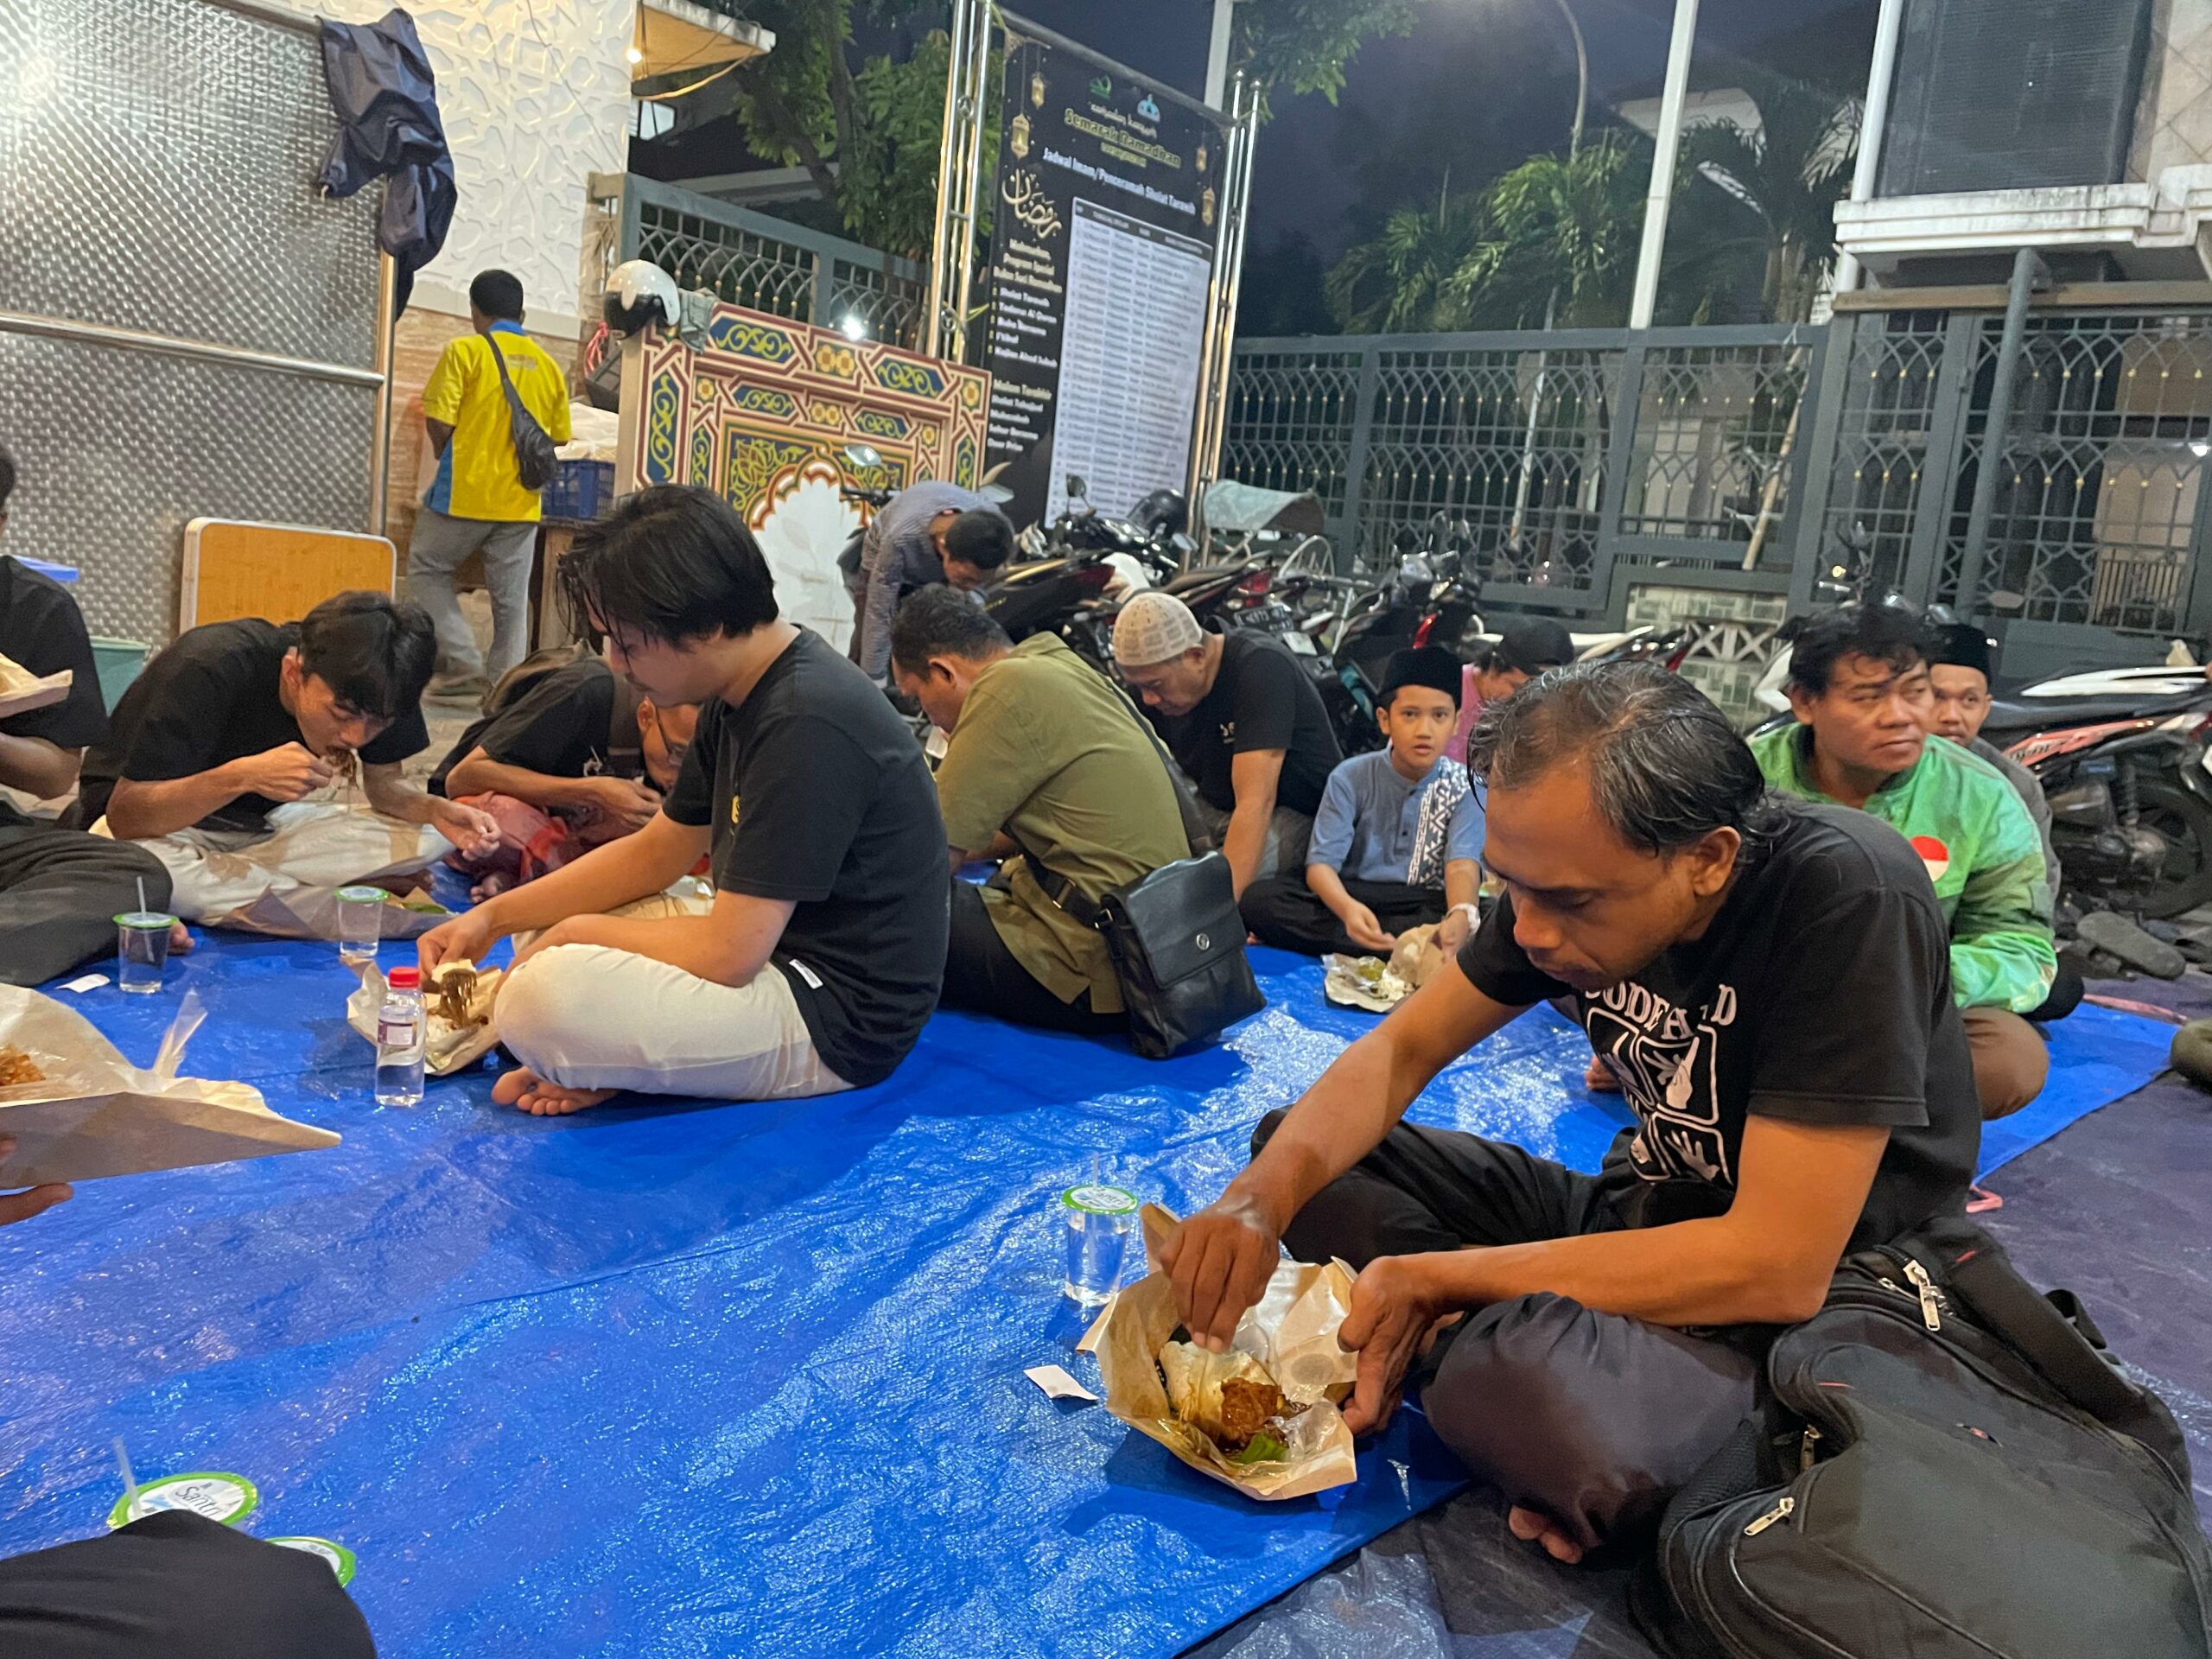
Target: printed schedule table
[1134, 330]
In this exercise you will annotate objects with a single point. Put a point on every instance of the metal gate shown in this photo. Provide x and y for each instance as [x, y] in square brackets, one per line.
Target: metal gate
[768, 264]
[187, 330]
[2093, 551]
[1725, 477]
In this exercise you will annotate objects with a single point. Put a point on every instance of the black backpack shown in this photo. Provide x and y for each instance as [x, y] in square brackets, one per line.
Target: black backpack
[1945, 1465]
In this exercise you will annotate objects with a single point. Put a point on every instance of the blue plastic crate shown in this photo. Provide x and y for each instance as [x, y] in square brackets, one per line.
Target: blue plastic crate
[581, 490]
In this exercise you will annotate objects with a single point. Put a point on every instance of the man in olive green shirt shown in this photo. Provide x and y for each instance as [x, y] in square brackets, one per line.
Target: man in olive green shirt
[1044, 757]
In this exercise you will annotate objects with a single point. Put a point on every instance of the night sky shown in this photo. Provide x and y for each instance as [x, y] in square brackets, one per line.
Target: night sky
[1484, 81]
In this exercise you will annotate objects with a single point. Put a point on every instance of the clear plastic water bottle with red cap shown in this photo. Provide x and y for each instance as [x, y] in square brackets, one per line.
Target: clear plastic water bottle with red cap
[400, 1040]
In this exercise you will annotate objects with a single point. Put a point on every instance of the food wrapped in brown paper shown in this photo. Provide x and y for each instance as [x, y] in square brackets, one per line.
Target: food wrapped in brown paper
[458, 1003]
[92, 1113]
[1289, 1335]
[21, 690]
[408, 912]
[1417, 958]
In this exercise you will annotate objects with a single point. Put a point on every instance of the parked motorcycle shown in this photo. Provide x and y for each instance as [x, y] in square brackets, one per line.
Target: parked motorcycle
[1354, 631]
[1086, 563]
[2122, 754]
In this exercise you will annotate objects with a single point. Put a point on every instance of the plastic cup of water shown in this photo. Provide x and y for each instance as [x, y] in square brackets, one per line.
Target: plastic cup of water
[360, 922]
[1100, 1220]
[141, 949]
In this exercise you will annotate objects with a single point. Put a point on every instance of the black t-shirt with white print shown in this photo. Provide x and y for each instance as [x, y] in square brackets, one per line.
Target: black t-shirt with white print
[817, 792]
[1819, 994]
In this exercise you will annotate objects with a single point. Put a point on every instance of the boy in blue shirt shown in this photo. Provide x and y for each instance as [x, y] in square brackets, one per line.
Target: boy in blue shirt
[1398, 840]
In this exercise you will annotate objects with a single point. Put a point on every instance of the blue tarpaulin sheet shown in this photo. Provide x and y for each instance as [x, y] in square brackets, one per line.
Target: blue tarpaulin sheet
[707, 1380]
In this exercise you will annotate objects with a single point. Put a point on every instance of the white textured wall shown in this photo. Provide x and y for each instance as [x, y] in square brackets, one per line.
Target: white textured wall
[535, 97]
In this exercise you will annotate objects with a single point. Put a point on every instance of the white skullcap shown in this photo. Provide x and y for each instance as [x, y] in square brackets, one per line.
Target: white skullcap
[1154, 628]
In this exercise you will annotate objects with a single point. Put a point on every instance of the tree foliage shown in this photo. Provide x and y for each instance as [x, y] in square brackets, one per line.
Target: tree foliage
[1790, 174]
[868, 134]
[1304, 46]
[1559, 238]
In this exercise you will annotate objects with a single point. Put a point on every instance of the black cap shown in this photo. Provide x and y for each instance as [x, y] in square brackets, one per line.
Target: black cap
[1533, 644]
[1431, 666]
[1961, 645]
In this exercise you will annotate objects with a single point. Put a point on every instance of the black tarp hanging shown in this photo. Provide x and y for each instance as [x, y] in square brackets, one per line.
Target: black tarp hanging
[386, 100]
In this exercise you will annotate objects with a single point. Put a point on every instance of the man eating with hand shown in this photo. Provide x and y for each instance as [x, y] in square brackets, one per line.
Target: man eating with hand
[217, 748]
[1771, 980]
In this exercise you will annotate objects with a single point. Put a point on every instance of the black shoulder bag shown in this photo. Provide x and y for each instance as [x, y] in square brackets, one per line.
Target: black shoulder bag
[1175, 935]
[1944, 1464]
[536, 457]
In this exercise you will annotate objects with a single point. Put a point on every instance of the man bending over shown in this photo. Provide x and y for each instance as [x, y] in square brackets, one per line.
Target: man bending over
[575, 760]
[1858, 685]
[930, 532]
[1043, 750]
[1242, 719]
[230, 757]
[820, 960]
[1772, 979]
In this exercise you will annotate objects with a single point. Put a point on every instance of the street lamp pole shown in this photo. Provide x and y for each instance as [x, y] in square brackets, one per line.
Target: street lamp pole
[1581, 78]
[1526, 483]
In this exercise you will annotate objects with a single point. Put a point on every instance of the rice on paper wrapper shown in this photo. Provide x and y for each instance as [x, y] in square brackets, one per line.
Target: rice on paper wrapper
[1292, 1331]
[96, 1115]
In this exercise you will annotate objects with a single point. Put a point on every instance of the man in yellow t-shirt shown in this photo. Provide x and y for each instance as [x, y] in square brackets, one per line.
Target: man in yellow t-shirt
[477, 499]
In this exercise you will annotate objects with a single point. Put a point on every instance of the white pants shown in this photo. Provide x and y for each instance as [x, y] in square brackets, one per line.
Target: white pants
[587, 1016]
[215, 874]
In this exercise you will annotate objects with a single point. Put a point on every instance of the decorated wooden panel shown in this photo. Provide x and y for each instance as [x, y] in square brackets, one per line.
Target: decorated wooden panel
[763, 415]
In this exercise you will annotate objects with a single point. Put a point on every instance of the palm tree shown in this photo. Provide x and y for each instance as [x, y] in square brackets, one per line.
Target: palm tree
[1790, 174]
[1562, 243]
[1398, 282]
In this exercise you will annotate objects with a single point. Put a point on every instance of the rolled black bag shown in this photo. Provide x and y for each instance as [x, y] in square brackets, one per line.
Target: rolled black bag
[1945, 1465]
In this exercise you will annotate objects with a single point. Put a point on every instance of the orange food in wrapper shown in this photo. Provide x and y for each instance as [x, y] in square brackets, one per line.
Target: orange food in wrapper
[1277, 1389]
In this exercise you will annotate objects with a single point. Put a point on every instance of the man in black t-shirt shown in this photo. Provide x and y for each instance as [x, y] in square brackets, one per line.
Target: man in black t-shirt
[1242, 719]
[578, 759]
[229, 758]
[1771, 980]
[60, 889]
[820, 959]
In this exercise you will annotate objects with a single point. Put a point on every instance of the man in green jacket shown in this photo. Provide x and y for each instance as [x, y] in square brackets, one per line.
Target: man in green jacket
[1859, 687]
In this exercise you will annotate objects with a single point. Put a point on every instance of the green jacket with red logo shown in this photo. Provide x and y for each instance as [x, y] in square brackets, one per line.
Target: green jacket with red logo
[1981, 846]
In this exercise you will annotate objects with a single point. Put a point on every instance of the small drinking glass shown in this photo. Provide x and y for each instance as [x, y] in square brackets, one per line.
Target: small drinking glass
[141, 949]
[1100, 1220]
[360, 922]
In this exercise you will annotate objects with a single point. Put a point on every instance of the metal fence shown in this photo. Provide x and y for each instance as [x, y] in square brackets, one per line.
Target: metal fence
[1556, 457]
[1725, 476]
[771, 265]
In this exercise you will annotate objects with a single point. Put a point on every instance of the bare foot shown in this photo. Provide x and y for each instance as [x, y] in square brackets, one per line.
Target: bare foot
[1599, 1078]
[523, 1089]
[1532, 1528]
[180, 939]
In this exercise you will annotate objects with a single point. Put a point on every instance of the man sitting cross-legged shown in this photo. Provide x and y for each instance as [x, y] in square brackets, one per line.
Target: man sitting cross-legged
[225, 759]
[820, 960]
[575, 759]
[1773, 979]
[1044, 751]
[1858, 684]
[1398, 841]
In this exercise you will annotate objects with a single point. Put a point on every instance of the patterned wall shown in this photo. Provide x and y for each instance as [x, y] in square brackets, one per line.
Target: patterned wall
[761, 416]
[535, 97]
[156, 157]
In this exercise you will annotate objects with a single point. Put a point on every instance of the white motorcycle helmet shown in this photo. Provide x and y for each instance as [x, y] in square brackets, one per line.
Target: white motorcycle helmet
[639, 292]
